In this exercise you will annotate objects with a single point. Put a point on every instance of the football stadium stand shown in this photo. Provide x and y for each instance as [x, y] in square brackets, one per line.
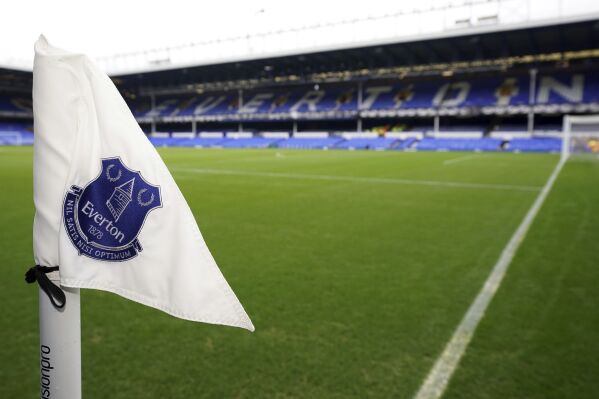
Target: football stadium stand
[556, 93]
[378, 143]
[535, 144]
[15, 134]
[477, 92]
[510, 95]
[310, 143]
[481, 144]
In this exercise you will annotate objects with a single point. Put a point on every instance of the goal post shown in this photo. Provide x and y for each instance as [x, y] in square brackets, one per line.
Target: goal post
[580, 135]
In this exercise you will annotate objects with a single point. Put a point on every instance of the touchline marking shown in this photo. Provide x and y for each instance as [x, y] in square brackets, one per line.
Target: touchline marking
[361, 179]
[439, 376]
[460, 159]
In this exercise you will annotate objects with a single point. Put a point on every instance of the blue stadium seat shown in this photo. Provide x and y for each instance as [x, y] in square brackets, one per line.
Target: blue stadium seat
[377, 143]
[15, 134]
[340, 100]
[249, 142]
[436, 144]
[407, 143]
[309, 143]
[535, 144]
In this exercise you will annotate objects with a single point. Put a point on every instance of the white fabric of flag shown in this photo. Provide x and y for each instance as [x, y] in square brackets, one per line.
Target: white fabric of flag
[108, 212]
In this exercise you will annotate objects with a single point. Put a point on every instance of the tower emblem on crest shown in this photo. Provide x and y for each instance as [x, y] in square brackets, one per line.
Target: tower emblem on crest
[120, 198]
[104, 218]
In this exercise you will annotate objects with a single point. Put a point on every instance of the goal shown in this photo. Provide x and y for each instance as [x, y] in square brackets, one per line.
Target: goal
[580, 136]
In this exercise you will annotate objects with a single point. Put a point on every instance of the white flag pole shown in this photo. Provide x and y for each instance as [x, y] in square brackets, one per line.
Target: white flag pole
[60, 344]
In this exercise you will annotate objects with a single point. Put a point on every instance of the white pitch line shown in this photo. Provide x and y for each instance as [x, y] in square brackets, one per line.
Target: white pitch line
[460, 159]
[439, 376]
[432, 183]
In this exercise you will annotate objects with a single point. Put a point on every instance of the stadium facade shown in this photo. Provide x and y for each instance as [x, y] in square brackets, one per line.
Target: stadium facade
[493, 91]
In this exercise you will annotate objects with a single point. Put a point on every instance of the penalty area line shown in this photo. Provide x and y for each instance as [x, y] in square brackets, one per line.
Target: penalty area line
[383, 180]
[436, 381]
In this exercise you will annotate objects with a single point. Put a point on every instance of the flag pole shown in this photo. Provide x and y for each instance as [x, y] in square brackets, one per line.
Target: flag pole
[60, 344]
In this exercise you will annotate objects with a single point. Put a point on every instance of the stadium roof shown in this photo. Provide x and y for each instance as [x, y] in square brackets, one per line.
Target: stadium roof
[482, 51]
[477, 51]
[125, 38]
[316, 39]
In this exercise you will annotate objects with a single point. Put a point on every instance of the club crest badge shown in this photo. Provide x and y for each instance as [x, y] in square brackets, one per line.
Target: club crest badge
[104, 218]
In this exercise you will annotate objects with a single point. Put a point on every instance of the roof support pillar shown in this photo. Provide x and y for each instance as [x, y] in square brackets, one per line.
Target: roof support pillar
[153, 107]
[531, 100]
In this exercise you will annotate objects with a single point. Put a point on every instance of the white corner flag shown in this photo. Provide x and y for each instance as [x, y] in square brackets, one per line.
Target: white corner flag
[108, 212]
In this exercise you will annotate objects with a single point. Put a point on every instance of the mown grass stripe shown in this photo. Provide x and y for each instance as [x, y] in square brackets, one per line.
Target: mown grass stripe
[460, 159]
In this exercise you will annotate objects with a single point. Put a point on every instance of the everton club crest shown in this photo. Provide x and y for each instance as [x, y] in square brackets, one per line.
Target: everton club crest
[104, 219]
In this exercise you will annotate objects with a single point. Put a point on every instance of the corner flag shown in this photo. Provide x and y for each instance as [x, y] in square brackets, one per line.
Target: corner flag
[108, 212]
[109, 216]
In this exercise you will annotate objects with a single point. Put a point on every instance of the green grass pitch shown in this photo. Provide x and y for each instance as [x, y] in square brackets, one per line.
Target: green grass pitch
[355, 268]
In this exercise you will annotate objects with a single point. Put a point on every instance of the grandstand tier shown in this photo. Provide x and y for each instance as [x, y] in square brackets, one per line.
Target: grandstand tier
[507, 95]
[553, 93]
[18, 135]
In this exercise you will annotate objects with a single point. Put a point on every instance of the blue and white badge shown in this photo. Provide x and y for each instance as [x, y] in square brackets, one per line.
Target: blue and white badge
[104, 219]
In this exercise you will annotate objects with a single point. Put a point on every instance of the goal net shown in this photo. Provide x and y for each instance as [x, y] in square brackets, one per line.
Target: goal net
[581, 136]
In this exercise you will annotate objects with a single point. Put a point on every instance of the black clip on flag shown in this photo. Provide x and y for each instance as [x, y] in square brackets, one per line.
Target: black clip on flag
[54, 292]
